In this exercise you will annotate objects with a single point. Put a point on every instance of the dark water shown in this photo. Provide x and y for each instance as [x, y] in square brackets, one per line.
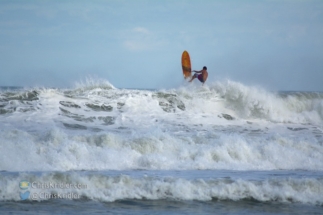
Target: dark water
[156, 207]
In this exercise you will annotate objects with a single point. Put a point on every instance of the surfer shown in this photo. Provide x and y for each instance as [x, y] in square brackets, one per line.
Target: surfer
[202, 75]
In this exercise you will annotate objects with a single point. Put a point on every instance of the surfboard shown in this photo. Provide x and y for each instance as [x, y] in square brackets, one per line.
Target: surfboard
[186, 65]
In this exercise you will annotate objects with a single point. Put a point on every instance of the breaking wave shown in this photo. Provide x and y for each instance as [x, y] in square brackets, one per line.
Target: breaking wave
[95, 126]
[109, 188]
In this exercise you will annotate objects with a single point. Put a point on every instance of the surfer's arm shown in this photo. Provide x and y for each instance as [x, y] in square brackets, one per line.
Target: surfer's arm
[197, 71]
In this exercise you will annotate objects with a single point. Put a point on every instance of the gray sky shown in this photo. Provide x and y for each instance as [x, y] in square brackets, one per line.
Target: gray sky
[138, 43]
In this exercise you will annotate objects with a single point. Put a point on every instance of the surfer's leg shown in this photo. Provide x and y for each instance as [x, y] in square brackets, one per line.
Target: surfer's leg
[194, 76]
[192, 79]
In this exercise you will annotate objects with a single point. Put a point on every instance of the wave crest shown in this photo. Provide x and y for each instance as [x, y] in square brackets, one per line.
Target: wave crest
[91, 83]
[256, 102]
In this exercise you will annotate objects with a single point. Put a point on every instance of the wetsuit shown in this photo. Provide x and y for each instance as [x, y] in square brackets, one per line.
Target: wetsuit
[200, 77]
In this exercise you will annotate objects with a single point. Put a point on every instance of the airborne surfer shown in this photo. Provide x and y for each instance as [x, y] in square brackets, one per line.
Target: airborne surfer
[202, 75]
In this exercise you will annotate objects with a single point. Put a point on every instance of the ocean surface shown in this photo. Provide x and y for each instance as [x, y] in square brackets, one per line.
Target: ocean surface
[221, 148]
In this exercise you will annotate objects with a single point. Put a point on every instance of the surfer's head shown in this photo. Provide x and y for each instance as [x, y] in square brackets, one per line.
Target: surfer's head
[204, 67]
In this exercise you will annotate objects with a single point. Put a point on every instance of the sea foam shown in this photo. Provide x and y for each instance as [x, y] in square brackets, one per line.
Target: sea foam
[109, 188]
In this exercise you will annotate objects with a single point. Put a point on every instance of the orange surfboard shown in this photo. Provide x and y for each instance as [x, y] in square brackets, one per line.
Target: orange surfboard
[186, 65]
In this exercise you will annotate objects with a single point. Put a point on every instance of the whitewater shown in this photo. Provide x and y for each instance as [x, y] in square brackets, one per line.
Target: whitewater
[223, 147]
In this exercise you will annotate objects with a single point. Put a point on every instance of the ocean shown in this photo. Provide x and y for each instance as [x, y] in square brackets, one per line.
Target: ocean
[221, 148]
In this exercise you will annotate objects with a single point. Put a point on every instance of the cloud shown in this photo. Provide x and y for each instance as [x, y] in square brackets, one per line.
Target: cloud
[142, 30]
[142, 39]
